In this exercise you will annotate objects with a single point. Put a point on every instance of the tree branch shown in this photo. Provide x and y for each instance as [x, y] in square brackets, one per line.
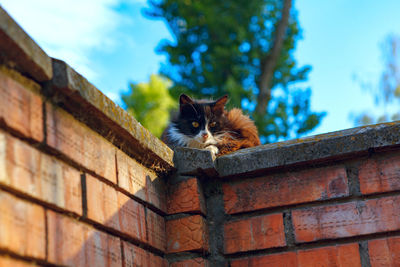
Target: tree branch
[270, 61]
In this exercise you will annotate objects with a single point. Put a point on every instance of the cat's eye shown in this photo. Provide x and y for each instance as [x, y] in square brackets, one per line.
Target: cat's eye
[195, 124]
[213, 124]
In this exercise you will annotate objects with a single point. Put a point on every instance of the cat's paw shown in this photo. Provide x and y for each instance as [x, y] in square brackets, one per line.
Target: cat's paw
[213, 149]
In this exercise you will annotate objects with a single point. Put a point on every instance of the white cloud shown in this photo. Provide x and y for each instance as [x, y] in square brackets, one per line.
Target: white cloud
[69, 29]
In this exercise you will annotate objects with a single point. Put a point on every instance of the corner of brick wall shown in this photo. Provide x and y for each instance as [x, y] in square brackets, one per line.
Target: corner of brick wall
[328, 200]
[186, 226]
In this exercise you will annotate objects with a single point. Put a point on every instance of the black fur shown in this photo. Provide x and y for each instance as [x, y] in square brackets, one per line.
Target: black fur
[198, 111]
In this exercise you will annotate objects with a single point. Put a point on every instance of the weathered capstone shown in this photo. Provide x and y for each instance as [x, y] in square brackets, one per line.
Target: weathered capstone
[19, 51]
[320, 147]
[76, 94]
[191, 161]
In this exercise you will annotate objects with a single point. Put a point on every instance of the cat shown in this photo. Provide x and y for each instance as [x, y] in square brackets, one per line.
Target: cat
[205, 124]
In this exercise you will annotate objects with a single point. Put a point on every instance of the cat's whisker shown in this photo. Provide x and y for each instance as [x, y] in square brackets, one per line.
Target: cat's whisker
[227, 132]
[218, 138]
[223, 134]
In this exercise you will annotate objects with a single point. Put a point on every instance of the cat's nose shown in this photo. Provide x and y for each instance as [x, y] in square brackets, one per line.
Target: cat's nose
[205, 136]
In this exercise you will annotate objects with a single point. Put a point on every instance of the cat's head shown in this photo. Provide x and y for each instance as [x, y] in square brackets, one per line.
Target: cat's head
[200, 123]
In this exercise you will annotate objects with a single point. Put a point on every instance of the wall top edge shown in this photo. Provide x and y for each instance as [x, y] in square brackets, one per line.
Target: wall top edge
[19, 51]
[333, 145]
[70, 90]
[68, 85]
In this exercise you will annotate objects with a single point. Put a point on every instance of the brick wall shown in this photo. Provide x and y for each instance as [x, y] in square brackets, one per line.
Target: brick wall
[83, 184]
[319, 216]
[328, 200]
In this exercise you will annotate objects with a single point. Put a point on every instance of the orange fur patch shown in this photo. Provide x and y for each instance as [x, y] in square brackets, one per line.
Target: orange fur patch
[243, 133]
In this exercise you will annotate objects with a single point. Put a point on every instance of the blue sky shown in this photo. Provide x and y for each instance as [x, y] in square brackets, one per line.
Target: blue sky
[111, 43]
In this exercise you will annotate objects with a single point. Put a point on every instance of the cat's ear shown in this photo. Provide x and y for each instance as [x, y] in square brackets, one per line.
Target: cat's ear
[220, 104]
[184, 99]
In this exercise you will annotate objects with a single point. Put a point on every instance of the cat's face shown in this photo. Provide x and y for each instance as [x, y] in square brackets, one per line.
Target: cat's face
[199, 123]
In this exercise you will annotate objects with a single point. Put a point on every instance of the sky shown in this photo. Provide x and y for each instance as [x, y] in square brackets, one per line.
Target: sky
[112, 43]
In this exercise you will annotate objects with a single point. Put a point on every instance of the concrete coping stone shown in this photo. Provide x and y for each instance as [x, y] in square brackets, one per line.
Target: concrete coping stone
[318, 148]
[20, 52]
[191, 161]
[70, 90]
[75, 93]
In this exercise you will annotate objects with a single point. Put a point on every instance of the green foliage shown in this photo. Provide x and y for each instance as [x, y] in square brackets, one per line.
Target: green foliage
[150, 103]
[219, 49]
[387, 92]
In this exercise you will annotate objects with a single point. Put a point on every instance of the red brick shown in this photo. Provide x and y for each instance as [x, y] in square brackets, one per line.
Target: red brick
[132, 175]
[196, 262]
[103, 250]
[74, 243]
[156, 235]
[157, 261]
[22, 228]
[343, 256]
[102, 203]
[140, 181]
[187, 234]
[284, 259]
[131, 217]
[285, 189]
[67, 240]
[26, 169]
[20, 108]
[79, 143]
[156, 192]
[384, 252]
[7, 261]
[345, 220]
[381, 174]
[254, 233]
[185, 196]
[114, 209]
[134, 256]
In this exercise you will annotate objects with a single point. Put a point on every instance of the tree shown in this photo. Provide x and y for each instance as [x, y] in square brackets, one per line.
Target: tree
[243, 49]
[150, 103]
[387, 91]
[271, 59]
